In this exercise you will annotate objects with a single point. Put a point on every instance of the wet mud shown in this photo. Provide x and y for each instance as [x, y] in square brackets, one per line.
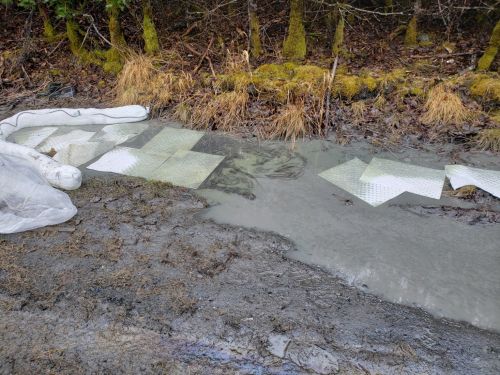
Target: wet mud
[138, 282]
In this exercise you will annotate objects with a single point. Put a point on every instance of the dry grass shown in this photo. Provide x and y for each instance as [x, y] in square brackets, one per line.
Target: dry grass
[290, 123]
[443, 107]
[141, 82]
[358, 110]
[489, 139]
[182, 112]
[465, 192]
[223, 111]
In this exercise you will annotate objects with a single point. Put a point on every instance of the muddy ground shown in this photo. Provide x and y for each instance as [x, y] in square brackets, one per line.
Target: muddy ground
[137, 282]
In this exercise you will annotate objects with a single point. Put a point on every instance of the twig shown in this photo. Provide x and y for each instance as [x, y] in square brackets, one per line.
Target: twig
[204, 56]
[56, 47]
[331, 76]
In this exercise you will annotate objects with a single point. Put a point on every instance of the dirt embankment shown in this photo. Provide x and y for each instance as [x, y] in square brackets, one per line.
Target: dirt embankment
[137, 283]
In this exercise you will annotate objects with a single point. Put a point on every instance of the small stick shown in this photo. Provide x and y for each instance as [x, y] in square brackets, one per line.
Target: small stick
[330, 81]
[204, 56]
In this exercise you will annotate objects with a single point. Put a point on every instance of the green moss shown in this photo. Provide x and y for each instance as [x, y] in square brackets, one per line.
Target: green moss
[411, 33]
[75, 45]
[114, 58]
[347, 86]
[309, 73]
[55, 72]
[489, 55]
[370, 83]
[276, 71]
[295, 47]
[255, 44]
[425, 43]
[338, 38]
[150, 36]
[487, 88]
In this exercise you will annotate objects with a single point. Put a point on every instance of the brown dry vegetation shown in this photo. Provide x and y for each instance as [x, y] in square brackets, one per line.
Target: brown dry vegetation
[383, 90]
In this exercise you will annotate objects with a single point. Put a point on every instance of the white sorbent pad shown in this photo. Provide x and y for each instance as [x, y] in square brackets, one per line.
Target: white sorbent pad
[412, 178]
[346, 176]
[58, 142]
[32, 137]
[187, 168]
[78, 154]
[130, 162]
[460, 175]
[120, 133]
[171, 140]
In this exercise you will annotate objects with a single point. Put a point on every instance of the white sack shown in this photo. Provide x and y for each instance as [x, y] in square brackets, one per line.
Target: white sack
[27, 201]
[72, 117]
[58, 175]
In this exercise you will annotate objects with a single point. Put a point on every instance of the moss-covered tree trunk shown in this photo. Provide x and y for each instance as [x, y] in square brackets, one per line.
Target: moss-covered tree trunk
[295, 47]
[388, 6]
[412, 28]
[114, 60]
[76, 45]
[332, 19]
[48, 29]
[338, 39]
[150, 36]
[489, 55]
[254, 29]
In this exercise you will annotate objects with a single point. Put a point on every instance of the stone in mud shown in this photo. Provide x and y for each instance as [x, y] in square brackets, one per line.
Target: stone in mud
[313, 358]
[277, 345]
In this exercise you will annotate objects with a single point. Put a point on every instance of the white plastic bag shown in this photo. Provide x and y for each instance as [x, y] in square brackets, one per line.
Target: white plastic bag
[27, 201]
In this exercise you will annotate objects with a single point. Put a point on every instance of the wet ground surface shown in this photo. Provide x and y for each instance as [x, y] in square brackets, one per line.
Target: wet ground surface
[442, 255]
[138, 282]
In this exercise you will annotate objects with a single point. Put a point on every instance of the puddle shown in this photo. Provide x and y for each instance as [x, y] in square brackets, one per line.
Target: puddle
[410, 250]
[434, 260]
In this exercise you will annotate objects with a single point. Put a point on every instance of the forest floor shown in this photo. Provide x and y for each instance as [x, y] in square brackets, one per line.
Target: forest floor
[138, 282]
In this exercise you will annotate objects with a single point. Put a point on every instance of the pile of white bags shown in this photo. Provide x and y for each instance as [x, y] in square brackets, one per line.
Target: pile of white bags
[27, 199]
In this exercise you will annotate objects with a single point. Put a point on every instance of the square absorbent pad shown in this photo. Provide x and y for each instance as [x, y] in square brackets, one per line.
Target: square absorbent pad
[188, 168]
[120, 133]
[78, 154]
[460, 175]
[32, 137]
[59, 142]
[183, 168]
[170, 140]
[346, 176]
[412, 178]
[129, 162]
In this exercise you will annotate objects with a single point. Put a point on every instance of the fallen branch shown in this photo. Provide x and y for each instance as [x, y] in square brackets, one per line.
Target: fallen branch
[444, 55]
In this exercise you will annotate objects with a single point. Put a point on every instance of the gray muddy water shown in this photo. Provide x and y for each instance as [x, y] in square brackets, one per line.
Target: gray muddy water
[412, 250]
[409, 250]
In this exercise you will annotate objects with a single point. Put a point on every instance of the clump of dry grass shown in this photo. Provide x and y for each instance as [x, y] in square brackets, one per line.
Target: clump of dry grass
[358, 110]
[290, 123]
[465, 192]
[221, 111]
[133, 81]
[443, 107]
[141, 82]
[489, 139]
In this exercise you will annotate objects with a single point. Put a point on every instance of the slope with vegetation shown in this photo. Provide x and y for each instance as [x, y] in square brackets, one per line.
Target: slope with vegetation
[390, 71]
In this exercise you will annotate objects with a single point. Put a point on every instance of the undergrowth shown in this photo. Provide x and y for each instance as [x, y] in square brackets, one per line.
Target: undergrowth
[293, 101]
